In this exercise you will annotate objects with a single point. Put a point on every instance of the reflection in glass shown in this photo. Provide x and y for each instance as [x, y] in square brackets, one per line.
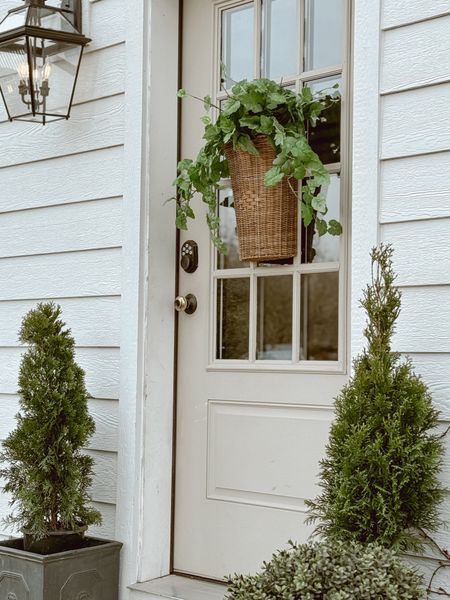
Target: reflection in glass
[280, 35]
[238, 43]
[316, 249]
[325, 137]
[324, 33]
[319, 324]
[228, 232]
[233, 305]
[274, 324]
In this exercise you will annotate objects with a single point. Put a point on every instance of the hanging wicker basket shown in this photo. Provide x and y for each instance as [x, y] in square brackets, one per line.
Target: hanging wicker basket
[266, 216]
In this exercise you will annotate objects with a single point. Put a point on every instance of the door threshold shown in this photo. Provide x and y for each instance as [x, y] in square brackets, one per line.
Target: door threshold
[175, 587]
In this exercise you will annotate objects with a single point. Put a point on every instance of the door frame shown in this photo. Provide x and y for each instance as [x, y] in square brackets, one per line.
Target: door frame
[146, 414]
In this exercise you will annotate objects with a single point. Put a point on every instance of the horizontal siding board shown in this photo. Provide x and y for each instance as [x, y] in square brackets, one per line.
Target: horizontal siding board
[91, 126]
[101, 366]
[104, 413]
[82, 316]
[422, 251]
[104, 480]
[104, 22]
[89, 225]
[102, 74]
[107, 529]
[415, 188]
[399, 12]
[416, 55]
[435, 371]
[94, 273]
[416, 122]
[424, 323]
[66, 179]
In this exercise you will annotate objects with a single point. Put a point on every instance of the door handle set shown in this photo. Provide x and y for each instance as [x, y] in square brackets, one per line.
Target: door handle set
[186, 304]
[189, 264]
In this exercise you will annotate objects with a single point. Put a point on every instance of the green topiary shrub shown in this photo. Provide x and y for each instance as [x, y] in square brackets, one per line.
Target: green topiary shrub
[330, 571]
[45, 471]
[380, 475]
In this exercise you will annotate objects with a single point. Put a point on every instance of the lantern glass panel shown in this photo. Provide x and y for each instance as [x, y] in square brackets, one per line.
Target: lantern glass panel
[49, 18]
[14, 19]
[54, 75]
[13, 75]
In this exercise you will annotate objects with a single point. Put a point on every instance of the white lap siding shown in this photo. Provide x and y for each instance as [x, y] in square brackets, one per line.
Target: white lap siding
[61, 190]
[414, 212]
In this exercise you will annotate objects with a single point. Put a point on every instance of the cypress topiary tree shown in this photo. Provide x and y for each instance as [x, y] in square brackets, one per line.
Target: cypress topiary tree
[379, 478]
[45, 470]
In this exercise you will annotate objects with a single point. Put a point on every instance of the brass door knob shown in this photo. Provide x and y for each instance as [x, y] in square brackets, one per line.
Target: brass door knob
[187, 304]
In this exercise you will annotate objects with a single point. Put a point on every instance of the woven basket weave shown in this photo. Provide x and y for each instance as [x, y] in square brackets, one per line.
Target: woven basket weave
[266, 217]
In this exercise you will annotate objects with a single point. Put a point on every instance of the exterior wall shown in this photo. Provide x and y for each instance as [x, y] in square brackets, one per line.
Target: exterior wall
[61, 236]
[401, 163]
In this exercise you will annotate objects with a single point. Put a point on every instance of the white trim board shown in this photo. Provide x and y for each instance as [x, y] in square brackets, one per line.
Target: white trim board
[148, 282]
[365, 165]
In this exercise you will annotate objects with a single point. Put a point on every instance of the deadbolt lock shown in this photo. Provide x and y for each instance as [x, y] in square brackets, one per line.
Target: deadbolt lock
[186, 304]
[189, 256]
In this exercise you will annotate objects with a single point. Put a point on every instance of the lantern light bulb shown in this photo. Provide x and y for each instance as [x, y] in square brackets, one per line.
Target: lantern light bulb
[22, 70]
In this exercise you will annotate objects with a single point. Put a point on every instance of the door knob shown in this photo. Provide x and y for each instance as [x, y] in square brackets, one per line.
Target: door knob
[187, 304]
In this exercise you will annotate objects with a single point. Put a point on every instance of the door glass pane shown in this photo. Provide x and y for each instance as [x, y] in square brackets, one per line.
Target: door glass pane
[281, 38]
[325, 137]
[274, 325]
[233, 318]
[322, 249]
[238, 43]
[228, 232]
[319, 322]
[324, 33]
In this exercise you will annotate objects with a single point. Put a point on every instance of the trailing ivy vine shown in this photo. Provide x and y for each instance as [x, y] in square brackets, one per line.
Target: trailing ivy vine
[259, 107]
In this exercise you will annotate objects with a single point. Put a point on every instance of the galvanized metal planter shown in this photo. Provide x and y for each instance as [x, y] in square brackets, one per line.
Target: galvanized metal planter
[87, 573]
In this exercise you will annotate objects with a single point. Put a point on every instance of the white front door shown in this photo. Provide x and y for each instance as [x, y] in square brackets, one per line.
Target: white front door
[263, 356]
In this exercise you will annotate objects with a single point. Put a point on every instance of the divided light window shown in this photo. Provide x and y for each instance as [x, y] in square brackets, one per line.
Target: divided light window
[290, 315]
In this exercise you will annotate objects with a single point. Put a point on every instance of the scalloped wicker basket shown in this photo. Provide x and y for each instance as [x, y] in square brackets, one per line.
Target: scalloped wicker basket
[266, 217]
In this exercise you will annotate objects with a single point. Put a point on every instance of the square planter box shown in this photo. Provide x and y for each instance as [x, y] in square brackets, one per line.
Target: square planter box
[87, 573]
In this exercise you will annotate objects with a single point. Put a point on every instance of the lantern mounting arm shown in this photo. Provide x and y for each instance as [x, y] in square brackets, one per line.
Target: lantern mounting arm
[70, 8]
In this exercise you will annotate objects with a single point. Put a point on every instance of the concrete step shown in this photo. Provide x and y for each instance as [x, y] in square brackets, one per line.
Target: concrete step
[174, 587]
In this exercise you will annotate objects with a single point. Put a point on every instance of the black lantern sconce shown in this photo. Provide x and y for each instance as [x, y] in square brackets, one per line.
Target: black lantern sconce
[40, 54]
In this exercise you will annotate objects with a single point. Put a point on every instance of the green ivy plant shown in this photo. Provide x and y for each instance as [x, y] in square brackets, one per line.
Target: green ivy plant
[259, 107]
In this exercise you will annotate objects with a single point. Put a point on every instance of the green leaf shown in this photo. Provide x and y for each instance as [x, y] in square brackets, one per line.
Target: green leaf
[275, 99]
[273, 176]
[231, 106]
[307, 214]
[184, 164]
[321, 227]
[207, 103]
[299, 172]
[319, 203]
[181, 221]
[206, 120]
[334, 227]
[246, 144]
[266, 125]
[250, 122]
[181, 93]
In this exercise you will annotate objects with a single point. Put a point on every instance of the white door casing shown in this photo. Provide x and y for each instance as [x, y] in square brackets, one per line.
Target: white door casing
[254, 400]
